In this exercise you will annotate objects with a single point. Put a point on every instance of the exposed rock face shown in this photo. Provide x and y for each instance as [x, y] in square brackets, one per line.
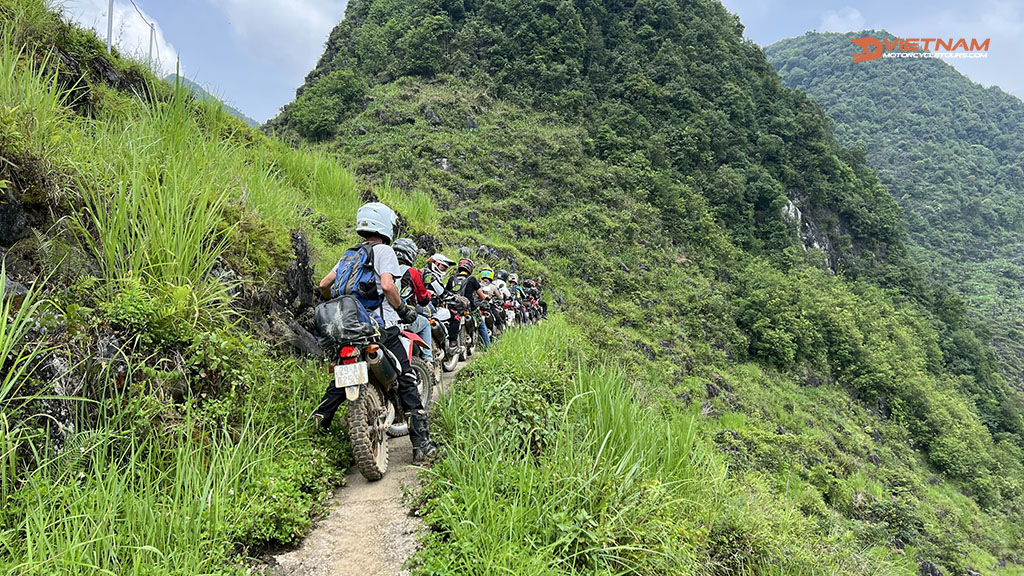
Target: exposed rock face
[303, 341]
[929, 569]
[810, 234]
[15, 292]
[428, 243]
[298, 277]
[14, 220]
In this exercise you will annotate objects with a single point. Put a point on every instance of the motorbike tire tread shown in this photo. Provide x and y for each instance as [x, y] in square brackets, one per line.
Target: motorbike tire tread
[359, 436]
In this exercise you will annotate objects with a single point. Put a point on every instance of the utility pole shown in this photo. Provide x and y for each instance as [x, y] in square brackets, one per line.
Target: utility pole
[110, 24]
[152, 34]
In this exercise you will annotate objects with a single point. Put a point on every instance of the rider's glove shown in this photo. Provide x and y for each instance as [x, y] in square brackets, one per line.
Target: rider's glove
[406, 314]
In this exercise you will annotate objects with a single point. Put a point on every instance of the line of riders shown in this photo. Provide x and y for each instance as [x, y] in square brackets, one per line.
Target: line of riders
[391, 329]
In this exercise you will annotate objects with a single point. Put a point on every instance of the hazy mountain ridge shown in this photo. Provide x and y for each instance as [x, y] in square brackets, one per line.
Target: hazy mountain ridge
[202, 93]
[952, 154]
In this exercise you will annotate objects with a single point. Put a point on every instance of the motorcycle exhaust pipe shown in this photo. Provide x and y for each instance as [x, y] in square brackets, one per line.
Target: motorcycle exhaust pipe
[381, 367]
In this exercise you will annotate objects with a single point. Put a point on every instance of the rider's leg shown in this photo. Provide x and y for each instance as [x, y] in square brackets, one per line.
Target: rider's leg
[421, 327]
[332, 399]
[409, 396]
[483, 334]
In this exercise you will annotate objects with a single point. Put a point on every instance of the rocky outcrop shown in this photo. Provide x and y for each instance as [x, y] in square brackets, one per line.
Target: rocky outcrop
[298, 277]
[15, 221]
[810, 234]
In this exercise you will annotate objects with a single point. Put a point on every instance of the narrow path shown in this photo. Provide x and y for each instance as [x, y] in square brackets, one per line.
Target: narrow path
[369, 532]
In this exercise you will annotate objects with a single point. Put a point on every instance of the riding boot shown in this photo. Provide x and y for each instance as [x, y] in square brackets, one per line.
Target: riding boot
[422, 447]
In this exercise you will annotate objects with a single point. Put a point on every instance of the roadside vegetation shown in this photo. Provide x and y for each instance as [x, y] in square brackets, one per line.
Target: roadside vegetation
[147, 427]
[716, 395]
[950, 151]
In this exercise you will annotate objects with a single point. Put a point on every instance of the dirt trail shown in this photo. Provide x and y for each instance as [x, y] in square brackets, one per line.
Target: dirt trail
[369, 532]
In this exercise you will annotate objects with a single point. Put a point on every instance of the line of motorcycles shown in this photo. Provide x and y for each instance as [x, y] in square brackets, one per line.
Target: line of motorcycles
[368, 373]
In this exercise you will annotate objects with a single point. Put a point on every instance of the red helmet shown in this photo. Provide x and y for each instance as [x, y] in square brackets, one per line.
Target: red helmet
[467, 265]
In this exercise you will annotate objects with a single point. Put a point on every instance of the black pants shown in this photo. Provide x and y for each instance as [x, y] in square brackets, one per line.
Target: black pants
[454, 324]
[498, 317]
[408, 393]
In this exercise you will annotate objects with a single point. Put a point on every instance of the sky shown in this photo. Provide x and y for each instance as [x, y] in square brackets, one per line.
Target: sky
[767, 21]
[253, 54]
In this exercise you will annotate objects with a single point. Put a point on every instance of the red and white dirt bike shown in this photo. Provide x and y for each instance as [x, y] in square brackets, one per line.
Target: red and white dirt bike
[368, 373]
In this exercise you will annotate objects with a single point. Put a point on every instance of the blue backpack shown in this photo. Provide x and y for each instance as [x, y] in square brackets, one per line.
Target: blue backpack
[356, 277]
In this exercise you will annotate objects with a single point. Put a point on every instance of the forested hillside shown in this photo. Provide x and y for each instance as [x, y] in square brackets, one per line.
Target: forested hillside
[699, 221]
[952, 154]
[744, 371]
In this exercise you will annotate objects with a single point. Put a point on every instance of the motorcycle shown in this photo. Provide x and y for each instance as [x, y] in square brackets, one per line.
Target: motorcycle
[488, 319]
[509, 310]
[439, 335]
[470, 335]
[368, 373]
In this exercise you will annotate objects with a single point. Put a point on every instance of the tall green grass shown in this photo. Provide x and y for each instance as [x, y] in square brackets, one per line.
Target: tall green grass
[161, 192]
[553, 465]
[147, 492]
[416, 206]
[17, 359]
[33, 119]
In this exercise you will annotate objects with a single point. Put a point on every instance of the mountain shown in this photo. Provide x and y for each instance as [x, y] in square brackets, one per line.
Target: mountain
[203, 94]
[950, 151]
[744, 371]
[701, 219]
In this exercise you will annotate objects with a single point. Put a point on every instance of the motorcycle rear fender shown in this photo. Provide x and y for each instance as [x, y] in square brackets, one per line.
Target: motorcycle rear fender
[415, 338]
[352, 393]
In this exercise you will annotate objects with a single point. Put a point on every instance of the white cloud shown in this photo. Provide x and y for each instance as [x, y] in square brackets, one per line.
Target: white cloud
[846, 19]
[1002, 21]
[288, 34]
[131, 34]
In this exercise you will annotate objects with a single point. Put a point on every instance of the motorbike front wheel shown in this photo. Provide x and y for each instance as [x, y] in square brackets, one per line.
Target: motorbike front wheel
[366, 431]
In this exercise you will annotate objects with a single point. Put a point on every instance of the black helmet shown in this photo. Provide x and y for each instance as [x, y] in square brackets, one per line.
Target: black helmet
[530, 284]
[467, 265]
[406, 250]
[502, 275]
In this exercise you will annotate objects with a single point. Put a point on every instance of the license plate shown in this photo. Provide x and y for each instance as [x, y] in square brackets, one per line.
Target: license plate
[346, 375]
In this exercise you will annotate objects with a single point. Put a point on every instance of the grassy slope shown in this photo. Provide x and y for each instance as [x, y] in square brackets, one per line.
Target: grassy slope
[770, 475]
[847, 398]
[177, 438]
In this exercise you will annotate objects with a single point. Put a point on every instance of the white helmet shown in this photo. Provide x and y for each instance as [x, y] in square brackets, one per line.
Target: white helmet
[376, 218]
[443, 260]
[513, 279]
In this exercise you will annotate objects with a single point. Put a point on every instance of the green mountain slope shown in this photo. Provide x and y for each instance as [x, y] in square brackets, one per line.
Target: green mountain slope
[204, 94]
[952, 154]
[645, 162]
[743, 373]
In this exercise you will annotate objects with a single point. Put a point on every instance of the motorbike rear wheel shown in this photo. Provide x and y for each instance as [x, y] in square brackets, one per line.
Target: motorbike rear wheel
[366, 426]
[425, 380]
[451, 359]
[397, 425]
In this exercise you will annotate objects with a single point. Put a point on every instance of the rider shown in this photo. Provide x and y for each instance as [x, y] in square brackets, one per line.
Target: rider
[501, 283]
[533, 291]
[375, 222]
[433, 275]
[518, 295]
[415, 294]
[494, 295]
[468, 286]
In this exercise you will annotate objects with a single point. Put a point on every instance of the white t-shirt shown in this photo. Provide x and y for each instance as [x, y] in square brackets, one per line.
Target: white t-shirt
[386, 262]
[502, 288]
